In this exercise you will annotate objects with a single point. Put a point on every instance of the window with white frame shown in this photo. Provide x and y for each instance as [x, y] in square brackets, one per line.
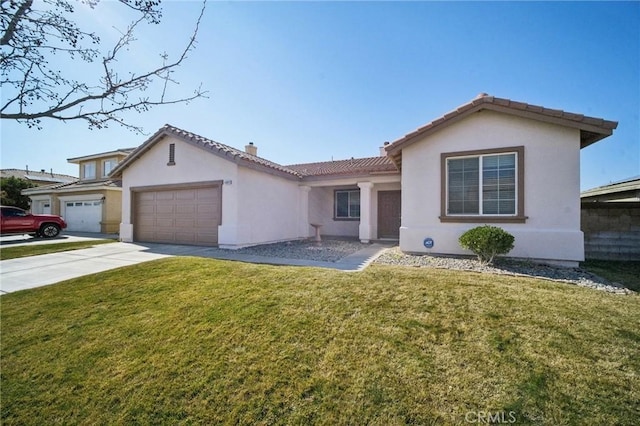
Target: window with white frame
[347, 204]
[108, 165]
[484, 184]
[89, 170]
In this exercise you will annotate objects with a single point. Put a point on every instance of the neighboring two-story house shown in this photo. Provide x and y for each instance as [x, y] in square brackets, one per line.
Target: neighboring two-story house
[91, 204]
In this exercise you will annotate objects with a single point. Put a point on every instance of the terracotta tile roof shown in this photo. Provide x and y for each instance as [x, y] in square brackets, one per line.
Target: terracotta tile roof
[354, 166]
[37, 175]
[591, 129]
[218, 148]
[74, 186]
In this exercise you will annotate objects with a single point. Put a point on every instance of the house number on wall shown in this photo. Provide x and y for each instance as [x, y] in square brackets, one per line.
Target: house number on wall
[428, 242]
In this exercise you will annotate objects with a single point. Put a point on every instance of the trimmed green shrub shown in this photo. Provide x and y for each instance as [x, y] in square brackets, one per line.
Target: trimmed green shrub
[487, 242]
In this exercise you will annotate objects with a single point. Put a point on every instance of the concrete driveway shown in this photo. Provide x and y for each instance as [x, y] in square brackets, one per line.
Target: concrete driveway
[37, 271]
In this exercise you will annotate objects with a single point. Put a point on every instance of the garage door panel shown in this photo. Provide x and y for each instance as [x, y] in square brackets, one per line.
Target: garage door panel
[185, 194]
[83, 216]
[165, 222]
[185, 225]
[167, 209]
[182, 216]
[185, 209]
[146, 208]
[204, 194]
[146, 196]
[207, 208]
[164, 195]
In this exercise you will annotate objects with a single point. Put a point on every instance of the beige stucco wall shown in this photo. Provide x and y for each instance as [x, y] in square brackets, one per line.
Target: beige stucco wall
[256, 207]
[321, 205]
[111, 212]
[552, 186]
[99, 162]
[192, 164]
[269, 208]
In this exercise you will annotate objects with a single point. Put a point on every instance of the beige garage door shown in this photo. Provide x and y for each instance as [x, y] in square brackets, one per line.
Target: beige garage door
[179, 216]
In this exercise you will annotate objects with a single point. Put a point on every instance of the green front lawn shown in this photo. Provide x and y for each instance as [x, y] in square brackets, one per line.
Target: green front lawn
[36, 249]
[201, 341]
[626, 273]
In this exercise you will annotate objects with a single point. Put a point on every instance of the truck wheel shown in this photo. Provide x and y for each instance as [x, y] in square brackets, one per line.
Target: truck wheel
[49, 230]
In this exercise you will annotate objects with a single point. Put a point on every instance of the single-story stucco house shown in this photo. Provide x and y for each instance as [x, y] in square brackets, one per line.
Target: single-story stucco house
[491, 160]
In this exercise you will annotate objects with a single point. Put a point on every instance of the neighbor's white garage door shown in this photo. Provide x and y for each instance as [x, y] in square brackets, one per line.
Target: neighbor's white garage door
[179, 216]
[83, 216]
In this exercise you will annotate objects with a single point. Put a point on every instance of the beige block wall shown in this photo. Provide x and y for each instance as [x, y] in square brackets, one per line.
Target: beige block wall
[611, 230]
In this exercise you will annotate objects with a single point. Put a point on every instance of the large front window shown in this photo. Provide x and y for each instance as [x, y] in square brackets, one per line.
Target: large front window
[484, 184]
[347, 204]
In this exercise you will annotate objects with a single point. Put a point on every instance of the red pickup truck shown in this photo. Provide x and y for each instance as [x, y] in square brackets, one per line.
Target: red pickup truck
[17, 221]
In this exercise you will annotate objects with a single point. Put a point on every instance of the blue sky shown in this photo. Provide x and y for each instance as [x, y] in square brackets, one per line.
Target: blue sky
[312, 81]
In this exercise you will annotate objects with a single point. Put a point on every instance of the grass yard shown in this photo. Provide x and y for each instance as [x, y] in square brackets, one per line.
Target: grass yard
[201, 341]
[623, 272]
[36, 249]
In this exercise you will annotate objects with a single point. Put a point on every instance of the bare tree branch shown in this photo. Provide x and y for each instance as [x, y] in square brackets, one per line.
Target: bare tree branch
[40, 92]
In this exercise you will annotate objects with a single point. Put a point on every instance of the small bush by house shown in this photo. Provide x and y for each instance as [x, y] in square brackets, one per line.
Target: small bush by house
[487, 242]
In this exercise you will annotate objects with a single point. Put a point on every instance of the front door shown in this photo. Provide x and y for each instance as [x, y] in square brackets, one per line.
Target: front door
[389, 214]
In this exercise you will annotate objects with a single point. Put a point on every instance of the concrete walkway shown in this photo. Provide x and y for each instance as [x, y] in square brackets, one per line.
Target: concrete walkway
[37, 271]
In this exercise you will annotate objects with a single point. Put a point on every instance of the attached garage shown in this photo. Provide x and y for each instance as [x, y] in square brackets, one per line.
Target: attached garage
[83, 215]
[178, 214]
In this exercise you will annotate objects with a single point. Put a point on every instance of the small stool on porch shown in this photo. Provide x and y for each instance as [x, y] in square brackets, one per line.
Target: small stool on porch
[317, 227]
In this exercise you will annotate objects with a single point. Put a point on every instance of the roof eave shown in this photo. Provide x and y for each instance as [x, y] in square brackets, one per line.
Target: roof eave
[165, 131]
[591, 129]
[78, 160]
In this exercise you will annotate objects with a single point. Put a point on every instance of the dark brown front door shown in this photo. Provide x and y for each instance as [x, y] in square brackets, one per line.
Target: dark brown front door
[388, 214]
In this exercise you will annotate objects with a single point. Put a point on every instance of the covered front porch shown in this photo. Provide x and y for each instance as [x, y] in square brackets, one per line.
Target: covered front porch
[364, 209]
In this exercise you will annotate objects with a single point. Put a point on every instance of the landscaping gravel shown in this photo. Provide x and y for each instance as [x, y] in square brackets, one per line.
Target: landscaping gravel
[575, 276]
[330, 250]
[325, 251]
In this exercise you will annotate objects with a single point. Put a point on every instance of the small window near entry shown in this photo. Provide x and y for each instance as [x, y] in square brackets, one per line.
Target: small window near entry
[46, 205]
[172, 154]
[347, 204]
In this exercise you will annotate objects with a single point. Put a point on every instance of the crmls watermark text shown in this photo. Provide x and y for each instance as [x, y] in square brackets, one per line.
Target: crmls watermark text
[487, 417]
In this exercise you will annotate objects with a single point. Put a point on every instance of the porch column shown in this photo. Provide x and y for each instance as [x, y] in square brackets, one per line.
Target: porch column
[365, 211]
[303, 226]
